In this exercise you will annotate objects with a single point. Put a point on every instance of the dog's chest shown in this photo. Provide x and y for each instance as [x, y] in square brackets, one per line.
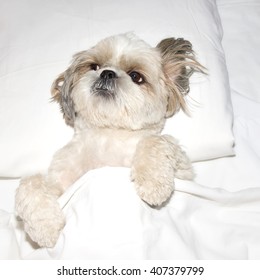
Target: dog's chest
[112, 148]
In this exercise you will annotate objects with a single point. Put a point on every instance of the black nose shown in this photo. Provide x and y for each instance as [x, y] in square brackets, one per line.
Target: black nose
[108, 74]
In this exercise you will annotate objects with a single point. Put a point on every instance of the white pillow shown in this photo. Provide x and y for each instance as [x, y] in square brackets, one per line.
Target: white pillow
[38, 39]
[243, 16]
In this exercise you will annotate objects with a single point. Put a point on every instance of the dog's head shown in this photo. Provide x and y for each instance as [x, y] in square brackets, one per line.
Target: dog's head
[122, 82]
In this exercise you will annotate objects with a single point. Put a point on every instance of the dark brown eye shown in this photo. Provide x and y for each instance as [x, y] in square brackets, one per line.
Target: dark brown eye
[136, 77]
[94, 66]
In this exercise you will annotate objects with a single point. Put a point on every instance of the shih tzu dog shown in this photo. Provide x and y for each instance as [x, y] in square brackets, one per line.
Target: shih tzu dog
[117, 97]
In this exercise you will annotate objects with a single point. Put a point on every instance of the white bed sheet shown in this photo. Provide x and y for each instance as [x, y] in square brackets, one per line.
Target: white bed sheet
[215, 217]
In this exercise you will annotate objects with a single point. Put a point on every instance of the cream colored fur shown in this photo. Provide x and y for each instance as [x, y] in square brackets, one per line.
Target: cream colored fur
[116, 96]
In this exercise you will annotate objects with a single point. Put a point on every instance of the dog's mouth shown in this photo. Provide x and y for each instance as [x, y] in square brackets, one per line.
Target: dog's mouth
[108, 94]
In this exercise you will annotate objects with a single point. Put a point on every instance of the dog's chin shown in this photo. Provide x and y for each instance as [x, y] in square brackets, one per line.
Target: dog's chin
[104, 109]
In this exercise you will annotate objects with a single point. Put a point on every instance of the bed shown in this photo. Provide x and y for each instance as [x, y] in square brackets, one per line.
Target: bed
[216, 216]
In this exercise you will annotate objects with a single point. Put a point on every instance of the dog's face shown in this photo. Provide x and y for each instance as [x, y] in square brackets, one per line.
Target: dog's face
[122, 82]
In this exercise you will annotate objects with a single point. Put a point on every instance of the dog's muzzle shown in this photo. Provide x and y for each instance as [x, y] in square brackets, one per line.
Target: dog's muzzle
[105, 84]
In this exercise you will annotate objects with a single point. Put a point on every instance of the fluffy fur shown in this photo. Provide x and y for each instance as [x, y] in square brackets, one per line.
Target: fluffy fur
[117, 97]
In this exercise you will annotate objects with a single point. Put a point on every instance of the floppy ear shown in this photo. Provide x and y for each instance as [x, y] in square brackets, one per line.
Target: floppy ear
[179, 64]
[56, 88]
[62, 87]
[61, 93]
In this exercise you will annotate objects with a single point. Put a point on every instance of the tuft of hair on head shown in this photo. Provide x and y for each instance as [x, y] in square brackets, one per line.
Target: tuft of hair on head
[179, 63]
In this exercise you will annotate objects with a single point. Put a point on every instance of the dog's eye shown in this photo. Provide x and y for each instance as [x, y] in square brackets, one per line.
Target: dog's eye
[94, 66]
[136, 77]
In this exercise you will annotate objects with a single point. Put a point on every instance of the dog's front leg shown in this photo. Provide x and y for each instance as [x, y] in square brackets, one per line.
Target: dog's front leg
[158, 159]
[42, 217]
[36, 197]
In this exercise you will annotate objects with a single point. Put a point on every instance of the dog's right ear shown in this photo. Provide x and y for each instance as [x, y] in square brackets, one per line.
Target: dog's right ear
[62, 87]
[56, 88]
[61, 93]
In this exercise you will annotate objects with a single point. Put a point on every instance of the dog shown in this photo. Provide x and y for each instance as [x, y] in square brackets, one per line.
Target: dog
[117, 96]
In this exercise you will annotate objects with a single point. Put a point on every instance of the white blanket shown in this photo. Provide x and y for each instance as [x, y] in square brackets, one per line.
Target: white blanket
[107, 220]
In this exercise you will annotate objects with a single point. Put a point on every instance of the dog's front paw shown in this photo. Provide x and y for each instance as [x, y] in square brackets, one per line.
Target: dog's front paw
[154, 193]
[45, 224]
[153, 189]
[42, 216]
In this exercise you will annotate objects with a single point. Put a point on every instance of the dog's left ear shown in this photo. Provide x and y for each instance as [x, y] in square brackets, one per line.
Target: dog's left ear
[179, 63]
